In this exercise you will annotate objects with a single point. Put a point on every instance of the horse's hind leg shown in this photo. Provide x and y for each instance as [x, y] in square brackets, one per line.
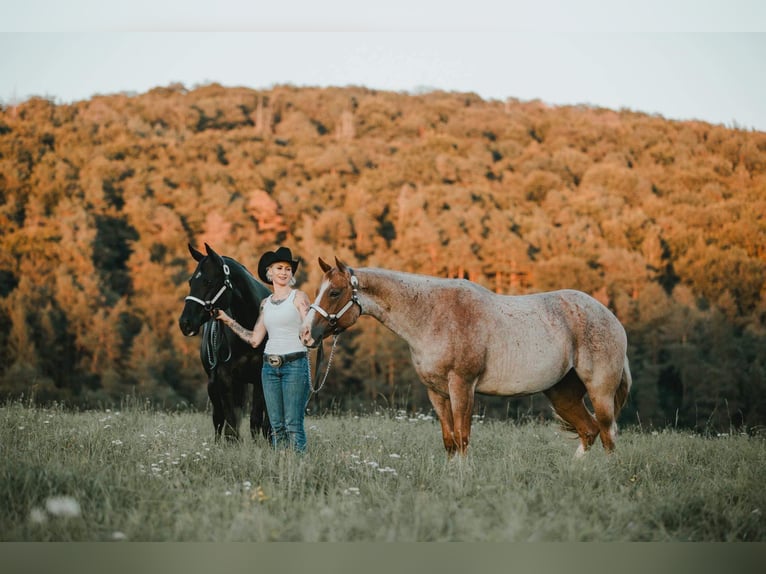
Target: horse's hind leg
[566, 397]
[603, 406]
[259, 418]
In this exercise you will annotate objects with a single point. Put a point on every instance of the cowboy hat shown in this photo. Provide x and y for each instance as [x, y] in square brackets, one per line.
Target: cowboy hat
[271, 257]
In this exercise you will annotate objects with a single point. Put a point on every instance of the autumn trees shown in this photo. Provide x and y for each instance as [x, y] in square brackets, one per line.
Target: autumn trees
[662, 221]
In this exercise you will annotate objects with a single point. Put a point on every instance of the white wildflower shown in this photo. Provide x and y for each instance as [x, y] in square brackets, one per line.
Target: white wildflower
[38, 516]
[64, 506]
[117, 535]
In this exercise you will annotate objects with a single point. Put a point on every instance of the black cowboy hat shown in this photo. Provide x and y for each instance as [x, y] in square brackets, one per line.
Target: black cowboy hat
[271, 257]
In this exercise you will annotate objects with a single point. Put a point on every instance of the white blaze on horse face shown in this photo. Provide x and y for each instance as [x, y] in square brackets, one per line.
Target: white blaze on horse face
[308, 322]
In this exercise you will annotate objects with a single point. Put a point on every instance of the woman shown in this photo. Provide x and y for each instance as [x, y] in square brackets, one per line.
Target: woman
[286, 383]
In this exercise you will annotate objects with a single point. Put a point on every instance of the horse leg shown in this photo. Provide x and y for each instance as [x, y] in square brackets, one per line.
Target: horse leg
[566, 397]
[213, 392]
[443, 410]
[603, 406]
[259, 420]
[231, 405]
[461, 399]
[602, 386]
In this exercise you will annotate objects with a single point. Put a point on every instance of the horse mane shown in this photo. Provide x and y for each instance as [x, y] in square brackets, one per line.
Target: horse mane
[257, 289]
[250, 291]
[419, 280]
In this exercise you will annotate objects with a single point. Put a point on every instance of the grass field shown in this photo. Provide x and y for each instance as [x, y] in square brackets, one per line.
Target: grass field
[139, 474]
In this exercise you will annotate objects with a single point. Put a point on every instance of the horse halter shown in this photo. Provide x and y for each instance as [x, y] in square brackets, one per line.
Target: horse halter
[208, 305]
[332, 318]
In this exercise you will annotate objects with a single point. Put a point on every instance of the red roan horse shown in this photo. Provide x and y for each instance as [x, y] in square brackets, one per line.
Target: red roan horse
[465, 339]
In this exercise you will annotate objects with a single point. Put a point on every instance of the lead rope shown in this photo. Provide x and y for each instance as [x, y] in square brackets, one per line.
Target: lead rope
[212, 334]
[329, 363]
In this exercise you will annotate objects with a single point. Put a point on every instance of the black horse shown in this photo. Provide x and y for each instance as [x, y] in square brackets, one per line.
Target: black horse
[230, 364]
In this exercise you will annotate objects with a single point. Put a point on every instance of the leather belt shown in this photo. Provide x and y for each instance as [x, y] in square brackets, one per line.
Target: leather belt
[279, 360]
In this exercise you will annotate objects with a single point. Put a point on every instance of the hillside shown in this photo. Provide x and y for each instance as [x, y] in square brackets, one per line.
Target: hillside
[663, 221]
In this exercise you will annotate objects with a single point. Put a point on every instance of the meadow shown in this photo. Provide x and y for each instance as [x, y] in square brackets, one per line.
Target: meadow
[137, 473]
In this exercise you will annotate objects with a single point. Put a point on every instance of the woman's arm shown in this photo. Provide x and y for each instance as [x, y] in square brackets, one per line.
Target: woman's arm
[302, 303]
[254, 337]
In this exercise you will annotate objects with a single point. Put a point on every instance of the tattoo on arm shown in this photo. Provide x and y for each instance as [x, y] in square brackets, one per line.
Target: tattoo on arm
[302, 303]
[244, 334]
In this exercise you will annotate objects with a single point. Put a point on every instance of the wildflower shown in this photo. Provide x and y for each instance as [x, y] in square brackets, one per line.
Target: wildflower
[351, 490]
[117, 442]
[38, 516]
[259, 495]
[117, 535]
[64, 506]
[394, 455]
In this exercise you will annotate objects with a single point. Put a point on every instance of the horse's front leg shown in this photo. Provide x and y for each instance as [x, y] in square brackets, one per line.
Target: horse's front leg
[443, 410]
[214, 393]
[461, 396]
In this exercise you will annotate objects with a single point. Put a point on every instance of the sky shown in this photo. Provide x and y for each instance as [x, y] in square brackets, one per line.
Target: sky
[679, 59]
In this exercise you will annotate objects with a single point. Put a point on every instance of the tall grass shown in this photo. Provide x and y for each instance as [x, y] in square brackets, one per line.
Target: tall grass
[143, 475]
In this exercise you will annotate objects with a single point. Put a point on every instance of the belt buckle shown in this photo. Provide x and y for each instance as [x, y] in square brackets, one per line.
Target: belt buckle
[274, 360]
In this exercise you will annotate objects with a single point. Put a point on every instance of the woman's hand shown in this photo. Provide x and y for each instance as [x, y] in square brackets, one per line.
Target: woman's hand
[221, 315]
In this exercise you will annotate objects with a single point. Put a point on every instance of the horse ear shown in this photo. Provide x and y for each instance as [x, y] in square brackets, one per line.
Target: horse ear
[197, 255]
[325, 266]
[342, 267]
[211, 252]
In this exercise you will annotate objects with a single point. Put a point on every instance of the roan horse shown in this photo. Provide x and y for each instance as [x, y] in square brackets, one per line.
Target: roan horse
[465, 339]
[230, 363]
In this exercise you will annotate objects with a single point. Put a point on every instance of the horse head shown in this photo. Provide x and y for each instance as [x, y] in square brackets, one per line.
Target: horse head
[336, 307]
[210, 287]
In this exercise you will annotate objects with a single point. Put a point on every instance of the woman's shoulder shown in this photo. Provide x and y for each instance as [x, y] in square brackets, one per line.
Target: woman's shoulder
[301, 299]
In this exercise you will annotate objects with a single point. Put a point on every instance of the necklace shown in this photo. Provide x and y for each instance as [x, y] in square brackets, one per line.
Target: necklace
[279, 301]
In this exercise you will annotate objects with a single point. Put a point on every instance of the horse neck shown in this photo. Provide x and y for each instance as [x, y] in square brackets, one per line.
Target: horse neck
[246, 301]
[400, 301]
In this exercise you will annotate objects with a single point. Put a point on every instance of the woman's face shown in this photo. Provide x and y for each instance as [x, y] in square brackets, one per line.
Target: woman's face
[280, 272]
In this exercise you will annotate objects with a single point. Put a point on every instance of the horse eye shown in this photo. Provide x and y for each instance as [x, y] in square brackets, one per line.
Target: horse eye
[335, 293]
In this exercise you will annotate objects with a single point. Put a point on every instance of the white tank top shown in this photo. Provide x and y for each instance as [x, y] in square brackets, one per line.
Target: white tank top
[282, 323]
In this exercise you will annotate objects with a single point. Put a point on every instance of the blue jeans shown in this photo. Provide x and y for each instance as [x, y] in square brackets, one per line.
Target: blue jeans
[286, 389]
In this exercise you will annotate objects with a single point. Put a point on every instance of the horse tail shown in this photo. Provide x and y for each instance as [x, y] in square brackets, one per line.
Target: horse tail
[621, 395]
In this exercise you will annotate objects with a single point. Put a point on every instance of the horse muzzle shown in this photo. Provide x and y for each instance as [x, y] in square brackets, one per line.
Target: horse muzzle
[186, 328]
